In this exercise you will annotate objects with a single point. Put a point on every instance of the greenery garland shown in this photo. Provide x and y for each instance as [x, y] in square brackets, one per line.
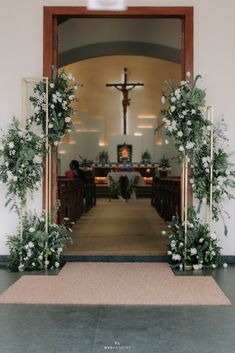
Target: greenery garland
[21, 152]
[61, 94]
[223, 174]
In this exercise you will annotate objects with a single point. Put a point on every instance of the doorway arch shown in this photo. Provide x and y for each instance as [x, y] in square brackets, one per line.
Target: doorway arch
[53, 16]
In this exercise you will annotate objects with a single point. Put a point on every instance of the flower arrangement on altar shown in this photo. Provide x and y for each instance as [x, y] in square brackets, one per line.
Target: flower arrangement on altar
[21, 153]
[201, 248]
[61, 94]
[183, 116]
[38, 248]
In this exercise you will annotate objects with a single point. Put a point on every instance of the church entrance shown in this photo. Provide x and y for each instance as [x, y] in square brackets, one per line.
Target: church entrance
[131, 179]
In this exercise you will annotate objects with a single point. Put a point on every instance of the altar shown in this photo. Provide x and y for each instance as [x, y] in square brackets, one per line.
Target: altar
[131, 176]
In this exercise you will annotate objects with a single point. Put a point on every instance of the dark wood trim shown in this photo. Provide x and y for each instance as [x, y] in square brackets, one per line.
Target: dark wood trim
[55, 14]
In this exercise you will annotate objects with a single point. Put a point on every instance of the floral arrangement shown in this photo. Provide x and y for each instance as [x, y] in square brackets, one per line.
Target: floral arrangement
[164, 163]
[183, 117]
[38, 249]
[223, 173]
[61, 93]
[201, 246]
[146, 157]
[103, 157]
[21, 152]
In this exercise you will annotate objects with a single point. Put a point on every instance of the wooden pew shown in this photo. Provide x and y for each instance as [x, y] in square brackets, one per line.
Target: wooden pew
[166, 196]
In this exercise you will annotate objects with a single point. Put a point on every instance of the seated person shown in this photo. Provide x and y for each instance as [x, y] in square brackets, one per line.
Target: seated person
[75, 172]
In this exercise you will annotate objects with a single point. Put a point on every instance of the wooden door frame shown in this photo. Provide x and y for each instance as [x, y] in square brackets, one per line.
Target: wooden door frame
[53, 15]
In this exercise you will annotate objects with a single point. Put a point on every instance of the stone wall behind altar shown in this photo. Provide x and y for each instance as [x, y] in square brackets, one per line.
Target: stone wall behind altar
[21, 28]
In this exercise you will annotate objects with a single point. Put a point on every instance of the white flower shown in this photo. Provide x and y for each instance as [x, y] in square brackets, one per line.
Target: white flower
[47, 262]
[11, 145]
[181, 148]
[213, 236]
[193, 111]
[225, 265]
[15, 178]
[9, 175]
[193, 251]
[163, 232]
[201, 240]
[166, 142]
[75, 87]
[182, 83]
[176, 257]
[189, 122]
[207, 170]
[169, 252]
[163, 99]
[52, 85]
[181, 244]
[56, 143]
[71, 97]
[67, 119]
[1, 147]
[213, 253]
[40, 257]
[37, 159]
[173, 99]
[52, 106]
[213, 266]
[33, 264]
[184, 112]
[6, 164]
[172, 108]
[189, 145]
[50, 126]
[57, 264]
[31, 230]
[180, 133]
[177, 92]
[181, 267]
[21, 267]
[197, 266]
[191, 181]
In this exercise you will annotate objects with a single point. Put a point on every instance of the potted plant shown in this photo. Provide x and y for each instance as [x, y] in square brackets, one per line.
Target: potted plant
[146, 157]
[163, 167]
[103, 157]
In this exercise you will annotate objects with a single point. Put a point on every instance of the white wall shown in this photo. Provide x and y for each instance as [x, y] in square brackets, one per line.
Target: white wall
[21, 33]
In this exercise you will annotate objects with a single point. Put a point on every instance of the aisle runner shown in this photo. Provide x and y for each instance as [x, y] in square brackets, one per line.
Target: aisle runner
[115, 284]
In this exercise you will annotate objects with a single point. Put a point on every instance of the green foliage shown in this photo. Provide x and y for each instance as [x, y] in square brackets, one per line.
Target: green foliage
[164, 163]
[21, 152]
[201, 246]
[103, 156]
[38, 249]
[183, 116]
[61, 93]
[223, 173]
[146, 157]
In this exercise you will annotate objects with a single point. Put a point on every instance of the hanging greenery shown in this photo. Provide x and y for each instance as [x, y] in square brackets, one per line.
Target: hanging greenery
[183, 116]
[223, 173]
[61, 94]
[37, 249]
[21, 152]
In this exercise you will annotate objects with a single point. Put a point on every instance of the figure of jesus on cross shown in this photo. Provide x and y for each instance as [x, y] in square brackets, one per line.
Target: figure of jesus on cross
[125, 87]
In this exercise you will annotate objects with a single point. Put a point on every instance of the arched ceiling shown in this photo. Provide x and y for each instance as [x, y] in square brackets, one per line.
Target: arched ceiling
[84, 38]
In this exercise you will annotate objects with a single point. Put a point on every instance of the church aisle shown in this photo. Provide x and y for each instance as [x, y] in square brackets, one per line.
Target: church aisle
[119, 228]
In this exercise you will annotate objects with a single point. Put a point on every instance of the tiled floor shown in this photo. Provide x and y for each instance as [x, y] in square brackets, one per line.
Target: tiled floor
[100, 329]
[119, 228]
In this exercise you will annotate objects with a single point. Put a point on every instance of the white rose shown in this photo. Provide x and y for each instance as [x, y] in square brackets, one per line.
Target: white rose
[15, 178]
[213, 236]
[169, 253]
[163, 99]
[11, 145]
[50, 126]
[193, 251]
[67, 119]
[172, 108]
[71, 97]
[225, 265]
[47, 262]
[180, 133]
[189, 145]
[40, 257]
[163, 232]
[57, 264]
[37, 159]
[173, 99]
[52, 85]
[31, 230]
[181, 148]
[213, 266]
[56, 143]
[189, 122]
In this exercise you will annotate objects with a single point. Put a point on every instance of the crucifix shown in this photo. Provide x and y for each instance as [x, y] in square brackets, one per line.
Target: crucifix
[124, 87]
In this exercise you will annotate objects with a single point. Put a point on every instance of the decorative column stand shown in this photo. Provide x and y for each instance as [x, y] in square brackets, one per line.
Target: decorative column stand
[210, 117]
[184, 209]
[25, 82]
